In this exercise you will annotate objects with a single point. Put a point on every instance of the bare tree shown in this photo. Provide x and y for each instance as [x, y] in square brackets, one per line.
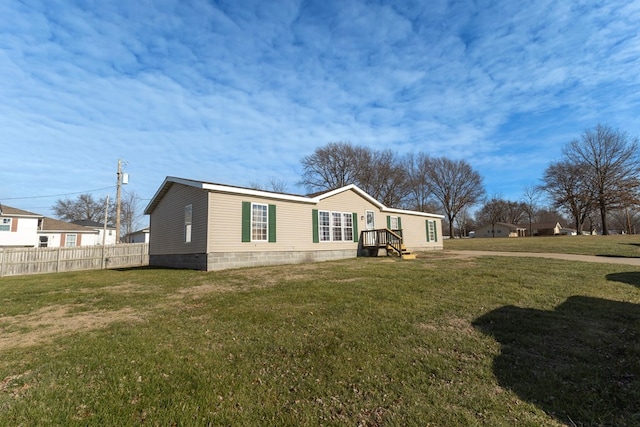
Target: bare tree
[515, 212]
[492, 212]
[531, 195]
[130, 213]
[454, 184]
[419, 191]
[333, 166]
[569, 187]
[83, 208]
[274, 184]
[611, 161]
[337, 164]
[382, 176]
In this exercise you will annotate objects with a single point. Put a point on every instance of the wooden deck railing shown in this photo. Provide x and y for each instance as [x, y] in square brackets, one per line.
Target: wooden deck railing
[380, 238]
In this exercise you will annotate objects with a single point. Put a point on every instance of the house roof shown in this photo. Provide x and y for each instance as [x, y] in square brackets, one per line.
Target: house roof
[506, 225]
[90, 223]
[52, 224]
[544, 225]
[10, 211]
[313, 199]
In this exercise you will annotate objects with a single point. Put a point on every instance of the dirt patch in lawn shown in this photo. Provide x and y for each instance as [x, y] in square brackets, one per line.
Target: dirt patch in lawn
[48, 323]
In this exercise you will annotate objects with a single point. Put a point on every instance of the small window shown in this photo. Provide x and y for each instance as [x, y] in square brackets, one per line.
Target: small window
[259, 222]
[70, 240]
[324, 226]
[347, 220]
[44, 241]
[5, 224]
[432, 235]
[188, 218]
[393, 223]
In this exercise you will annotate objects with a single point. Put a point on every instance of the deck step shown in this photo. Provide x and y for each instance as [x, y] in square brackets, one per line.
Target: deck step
[404, 254]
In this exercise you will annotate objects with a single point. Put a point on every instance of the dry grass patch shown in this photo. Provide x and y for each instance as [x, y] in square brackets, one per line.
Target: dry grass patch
[48, 323]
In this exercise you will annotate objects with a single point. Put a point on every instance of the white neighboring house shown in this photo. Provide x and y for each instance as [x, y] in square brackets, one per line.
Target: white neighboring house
[18, 228]
[140, 236]
[54, 233]
[109, 238]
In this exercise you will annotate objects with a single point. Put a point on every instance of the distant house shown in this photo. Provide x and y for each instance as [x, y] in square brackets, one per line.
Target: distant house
[109, 238]
[545, 229]
[139, 236]
[54, 233]
[209, 226]
[500, 229]
[18, 228]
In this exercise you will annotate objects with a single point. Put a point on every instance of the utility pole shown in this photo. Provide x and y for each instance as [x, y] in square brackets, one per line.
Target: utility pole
[118, 201]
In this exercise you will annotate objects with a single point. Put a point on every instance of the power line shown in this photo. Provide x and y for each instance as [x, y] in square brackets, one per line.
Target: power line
[57, 195]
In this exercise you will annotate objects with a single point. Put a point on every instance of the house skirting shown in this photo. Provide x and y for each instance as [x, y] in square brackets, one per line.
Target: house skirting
[225, 260]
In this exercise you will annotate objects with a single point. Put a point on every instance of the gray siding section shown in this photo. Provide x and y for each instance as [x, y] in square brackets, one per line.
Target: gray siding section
[167, 233]
[188, 261]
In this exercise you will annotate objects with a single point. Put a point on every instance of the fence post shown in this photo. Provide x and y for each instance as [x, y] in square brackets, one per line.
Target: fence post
[1, 262]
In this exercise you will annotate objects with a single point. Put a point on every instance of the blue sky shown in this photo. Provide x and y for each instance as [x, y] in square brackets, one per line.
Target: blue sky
[238, 92]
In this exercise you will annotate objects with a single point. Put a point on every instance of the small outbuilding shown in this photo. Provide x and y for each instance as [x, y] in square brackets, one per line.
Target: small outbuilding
[208, 226]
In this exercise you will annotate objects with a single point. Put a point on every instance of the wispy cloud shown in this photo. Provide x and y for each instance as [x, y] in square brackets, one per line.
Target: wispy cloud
[238, 93]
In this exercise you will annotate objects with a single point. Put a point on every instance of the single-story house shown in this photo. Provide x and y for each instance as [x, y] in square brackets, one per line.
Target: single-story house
[545, 229]
[209, 226]
[54, 233]
[18, 228]
[139, 236]
[105, 234]
[500, 229]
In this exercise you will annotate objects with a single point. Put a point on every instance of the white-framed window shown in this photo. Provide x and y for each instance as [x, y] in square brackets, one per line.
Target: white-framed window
[5, 224]
[188, 219]
[324, 226]
[70, 240]
[259, 222]
[335, 226]
[393, 223]
[432, 235]
[347, 226]
[44, 242]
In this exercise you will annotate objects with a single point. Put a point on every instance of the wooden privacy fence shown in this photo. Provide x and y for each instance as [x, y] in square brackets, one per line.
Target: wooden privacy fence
[17, 261]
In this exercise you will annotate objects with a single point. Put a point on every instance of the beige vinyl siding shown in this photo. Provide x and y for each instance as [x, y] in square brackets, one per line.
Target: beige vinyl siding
[293, 224]
[414, 232]
[167, 222]
[349, 202]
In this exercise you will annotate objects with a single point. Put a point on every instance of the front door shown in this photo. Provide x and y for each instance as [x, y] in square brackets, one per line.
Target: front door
[370, 224]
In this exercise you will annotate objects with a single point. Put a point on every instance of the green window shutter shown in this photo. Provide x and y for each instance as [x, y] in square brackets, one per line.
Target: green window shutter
[355, 227]
[426, 224]
[389, 222]
[314, 224]
[400, 223]
[272, 223]
[246, 221]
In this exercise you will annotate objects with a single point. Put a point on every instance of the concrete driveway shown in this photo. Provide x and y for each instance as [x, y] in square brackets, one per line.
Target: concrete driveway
[567, 257]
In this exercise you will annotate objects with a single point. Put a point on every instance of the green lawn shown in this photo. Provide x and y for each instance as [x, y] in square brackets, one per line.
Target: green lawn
[439, 341]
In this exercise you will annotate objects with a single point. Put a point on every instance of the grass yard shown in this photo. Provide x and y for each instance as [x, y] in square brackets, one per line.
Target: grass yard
[613, 246]
[439, 341]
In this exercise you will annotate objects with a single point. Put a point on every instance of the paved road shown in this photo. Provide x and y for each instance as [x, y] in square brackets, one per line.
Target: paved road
[568, 257]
